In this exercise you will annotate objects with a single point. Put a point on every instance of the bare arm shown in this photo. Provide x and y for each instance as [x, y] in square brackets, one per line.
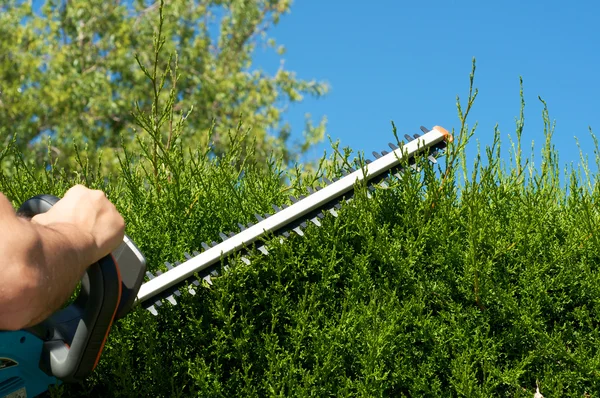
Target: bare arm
[44, 259]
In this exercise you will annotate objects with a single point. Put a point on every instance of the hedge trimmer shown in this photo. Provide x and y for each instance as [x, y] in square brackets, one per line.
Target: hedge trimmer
[67, 346]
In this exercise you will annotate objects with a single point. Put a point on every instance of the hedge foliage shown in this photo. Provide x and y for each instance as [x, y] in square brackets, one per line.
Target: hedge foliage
[445, 284]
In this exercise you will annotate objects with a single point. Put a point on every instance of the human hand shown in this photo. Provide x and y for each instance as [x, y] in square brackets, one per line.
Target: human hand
[99, 226]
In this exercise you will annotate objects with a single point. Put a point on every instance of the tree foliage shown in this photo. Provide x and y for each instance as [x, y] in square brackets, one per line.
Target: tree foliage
[68, 71]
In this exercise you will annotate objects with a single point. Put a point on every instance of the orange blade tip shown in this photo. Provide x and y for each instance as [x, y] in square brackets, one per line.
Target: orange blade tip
[447, 136]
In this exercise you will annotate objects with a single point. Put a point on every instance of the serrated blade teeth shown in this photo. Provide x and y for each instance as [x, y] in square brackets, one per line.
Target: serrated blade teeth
[296, 223]
[193, 286]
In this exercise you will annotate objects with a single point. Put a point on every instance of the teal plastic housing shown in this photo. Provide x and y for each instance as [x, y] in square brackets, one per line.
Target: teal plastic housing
[20, 372]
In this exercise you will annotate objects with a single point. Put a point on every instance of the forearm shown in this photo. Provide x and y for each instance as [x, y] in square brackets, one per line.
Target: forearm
[43, 265]
[59, 264]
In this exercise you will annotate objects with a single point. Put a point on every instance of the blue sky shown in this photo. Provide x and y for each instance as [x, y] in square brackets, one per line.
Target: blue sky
[407, 61]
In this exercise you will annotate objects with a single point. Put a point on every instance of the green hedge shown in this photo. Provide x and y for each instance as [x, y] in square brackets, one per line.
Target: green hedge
[446, 284]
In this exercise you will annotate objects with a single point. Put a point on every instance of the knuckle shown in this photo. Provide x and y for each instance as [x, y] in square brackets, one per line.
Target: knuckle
[76, 188]
[97, 195]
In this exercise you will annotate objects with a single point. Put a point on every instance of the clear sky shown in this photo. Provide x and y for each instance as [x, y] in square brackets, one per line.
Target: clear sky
[407, 61]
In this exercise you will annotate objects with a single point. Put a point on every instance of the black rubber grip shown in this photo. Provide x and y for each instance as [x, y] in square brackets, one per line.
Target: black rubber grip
[37, 205]
[74, 337]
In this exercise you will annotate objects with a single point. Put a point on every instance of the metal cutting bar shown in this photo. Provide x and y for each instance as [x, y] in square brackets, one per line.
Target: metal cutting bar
[288, 215]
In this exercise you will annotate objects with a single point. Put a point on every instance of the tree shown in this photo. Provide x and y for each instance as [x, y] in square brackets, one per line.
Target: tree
[68, 71]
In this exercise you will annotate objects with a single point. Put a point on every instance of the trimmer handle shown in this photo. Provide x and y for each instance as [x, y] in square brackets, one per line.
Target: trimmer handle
[74, 336]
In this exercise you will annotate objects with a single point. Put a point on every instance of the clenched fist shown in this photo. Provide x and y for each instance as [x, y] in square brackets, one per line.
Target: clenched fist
[99, 224]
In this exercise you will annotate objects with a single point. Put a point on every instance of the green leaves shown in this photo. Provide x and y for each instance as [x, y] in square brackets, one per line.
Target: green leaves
[68, 70]
[430, 287]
